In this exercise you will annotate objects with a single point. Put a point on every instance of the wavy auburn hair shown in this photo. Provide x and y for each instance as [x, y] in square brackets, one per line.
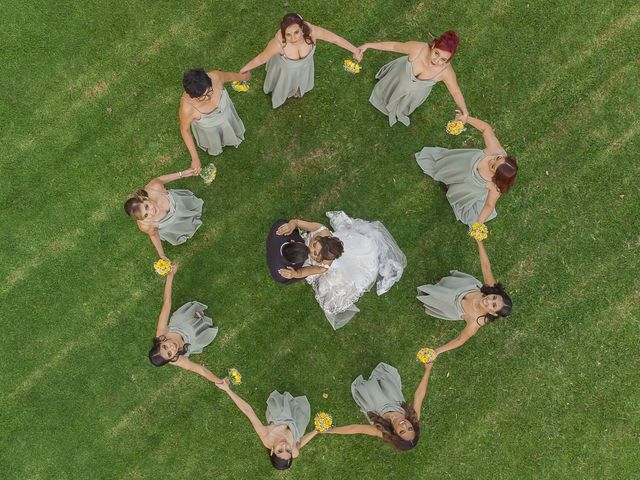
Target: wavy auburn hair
[505, 175]
[291, 19]
[389, 435]
[447, 42]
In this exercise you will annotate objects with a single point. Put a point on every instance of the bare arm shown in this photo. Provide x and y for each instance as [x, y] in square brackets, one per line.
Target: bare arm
[450, 80]
[491, 142]
[272, 48]
[399, 47]
[303, 272]
[421, 391]
[184, 362]
[307, 438]
[154, 236]
[245, 408]
[489, 204]
[487, 274]
[328, 36]
[469, 331]
[163, 321]
[220, 77]
[185, 131]
[355, 429]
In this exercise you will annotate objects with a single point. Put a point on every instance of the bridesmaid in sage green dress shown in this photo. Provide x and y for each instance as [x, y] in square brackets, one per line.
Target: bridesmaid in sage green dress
[289, 58]
[187, 332]
[381, 400]
[206, 108]
[475, 178]
[170, 215]
[462, 297]
[406, 82]
[287, 419]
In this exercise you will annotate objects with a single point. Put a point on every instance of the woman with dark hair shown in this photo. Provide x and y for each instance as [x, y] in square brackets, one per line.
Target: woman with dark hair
[287, 419]
[475, 179]
[390, 417]
[187, 332]
[406, 82]
[170, 215]
[207, 109]
[344, 264]
[289, 58]
[463, 297]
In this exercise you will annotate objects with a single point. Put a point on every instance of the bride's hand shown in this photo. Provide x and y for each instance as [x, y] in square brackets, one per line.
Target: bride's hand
[288, 272]
[286, 229]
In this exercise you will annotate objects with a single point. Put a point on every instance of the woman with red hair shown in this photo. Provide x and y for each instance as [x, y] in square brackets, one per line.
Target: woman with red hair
[406, 82]
[475, 179]
[289, 58]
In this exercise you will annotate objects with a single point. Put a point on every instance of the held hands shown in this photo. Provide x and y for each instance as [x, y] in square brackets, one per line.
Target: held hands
[357, 55]
[190, 172]
[286, 229]
[361, 49]
[195, 164]
[288, 272]
[173, 269]
[223, 384]
[463, 116]
[245, 76]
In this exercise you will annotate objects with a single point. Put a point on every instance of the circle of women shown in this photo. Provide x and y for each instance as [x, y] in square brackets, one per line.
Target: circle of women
[343, 262]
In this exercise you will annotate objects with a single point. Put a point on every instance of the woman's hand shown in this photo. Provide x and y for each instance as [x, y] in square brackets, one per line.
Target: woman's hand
[245, 76]
[288, 272]
[286, 229]
[190, 172]
[165, 258]
[173, 269]
[223, 384]
[463, 116]
[357, 55]
[195, 164]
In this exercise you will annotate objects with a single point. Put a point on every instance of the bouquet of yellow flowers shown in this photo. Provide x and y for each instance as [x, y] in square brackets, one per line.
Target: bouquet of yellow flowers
[234, 376]
[208, 173]
[240, 86]
[455, 127]
[426, 355]
[351, 66]
[322, 421]
[162, 267]
[479, 231]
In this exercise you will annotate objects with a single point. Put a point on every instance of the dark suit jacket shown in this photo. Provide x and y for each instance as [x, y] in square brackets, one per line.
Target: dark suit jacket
[275, 260]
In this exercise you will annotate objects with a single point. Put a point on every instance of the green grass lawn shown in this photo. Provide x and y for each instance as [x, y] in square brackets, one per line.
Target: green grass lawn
[88, 110]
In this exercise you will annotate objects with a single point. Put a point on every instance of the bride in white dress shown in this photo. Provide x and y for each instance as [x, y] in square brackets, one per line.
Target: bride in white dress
[342, 269]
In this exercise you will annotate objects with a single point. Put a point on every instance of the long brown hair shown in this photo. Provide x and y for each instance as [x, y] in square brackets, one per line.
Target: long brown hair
[505, 175]
[388, 433]
[291, 19]
[330, 248]
[132, 206]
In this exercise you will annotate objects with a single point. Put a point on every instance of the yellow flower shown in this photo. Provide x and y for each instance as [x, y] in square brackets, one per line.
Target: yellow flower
[322, 421]
[351, 66]
[426, 355]
[479, 231]
[240, 86]
[162, 267]
[455, 127]
[208, 173]
[234, 376]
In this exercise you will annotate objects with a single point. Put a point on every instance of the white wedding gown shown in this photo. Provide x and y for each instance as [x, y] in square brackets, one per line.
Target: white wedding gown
[370, 256]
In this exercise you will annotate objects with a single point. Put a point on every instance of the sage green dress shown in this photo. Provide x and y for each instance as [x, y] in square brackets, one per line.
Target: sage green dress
[289, 78]
[380, 394]
[183, 219]
[284, 409]
[218, 128]
[398, 91]
[197, 332]
[444, 299]
[458, 169]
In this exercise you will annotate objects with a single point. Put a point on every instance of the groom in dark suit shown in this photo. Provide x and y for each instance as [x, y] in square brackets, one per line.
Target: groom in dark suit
[275, 260]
